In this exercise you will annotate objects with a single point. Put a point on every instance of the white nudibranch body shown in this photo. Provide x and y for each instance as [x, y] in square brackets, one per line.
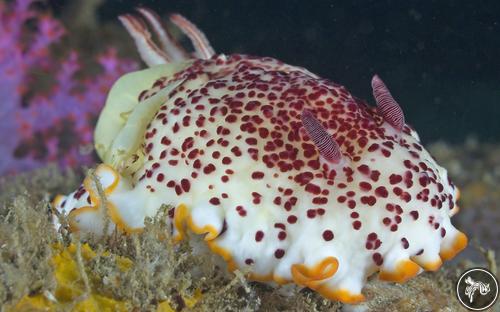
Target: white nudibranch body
[284, 174]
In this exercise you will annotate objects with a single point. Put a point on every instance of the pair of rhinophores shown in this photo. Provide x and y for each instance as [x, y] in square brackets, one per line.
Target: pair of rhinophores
[284, 174]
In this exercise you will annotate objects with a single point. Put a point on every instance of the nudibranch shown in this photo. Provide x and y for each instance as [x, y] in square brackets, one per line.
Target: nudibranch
[284, 174]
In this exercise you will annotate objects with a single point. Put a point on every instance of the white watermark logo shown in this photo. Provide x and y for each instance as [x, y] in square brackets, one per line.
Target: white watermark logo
[484, 289]
[477, 289]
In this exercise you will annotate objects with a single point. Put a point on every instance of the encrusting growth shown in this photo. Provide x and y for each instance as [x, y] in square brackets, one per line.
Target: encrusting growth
[284, 174]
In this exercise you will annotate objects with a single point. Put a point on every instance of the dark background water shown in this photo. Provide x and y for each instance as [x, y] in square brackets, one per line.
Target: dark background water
[439, 58]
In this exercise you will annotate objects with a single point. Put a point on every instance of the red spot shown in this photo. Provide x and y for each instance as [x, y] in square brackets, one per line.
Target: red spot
[197, 164]
[397, 191]
[356, 225]
[236, 151]
[368, 200]
[251, 141]
[373, 147]
[351, 204]
[440, 187]
[395, 179]
[443, 232]
[364, 169]
[362, 142]
[160, 177]
[377, 258]
[375, 174]
[303, 178]
[186, 185]
[282, 235]
[242, 212]
[423, 165]
[231, 118]
[187, 144]
[209, 169]
[165, 141]
[178, 190]
[405, 196]
[408, 179]
[328, 235]
[405, 243]
[291, 219]
[259, 235]
[424, 180]
[381, 191]
[320, 200]
[311, 213]
[279, 253]
[148, 148]
[263, 132]
[256, 198]
[214, 201]
[277, 200]
[257, 175]
[279, 225]
[313, 188]
[193, 154]
[171, 183]
[175, 128]
[365, 186]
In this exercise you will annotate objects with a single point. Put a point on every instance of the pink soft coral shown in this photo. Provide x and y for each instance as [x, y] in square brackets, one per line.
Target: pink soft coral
[54, 126]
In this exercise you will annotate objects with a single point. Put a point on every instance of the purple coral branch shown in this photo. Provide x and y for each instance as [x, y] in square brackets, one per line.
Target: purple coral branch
[52, 126]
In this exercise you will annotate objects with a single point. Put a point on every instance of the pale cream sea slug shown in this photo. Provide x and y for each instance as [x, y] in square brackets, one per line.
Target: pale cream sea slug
[284, 174]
